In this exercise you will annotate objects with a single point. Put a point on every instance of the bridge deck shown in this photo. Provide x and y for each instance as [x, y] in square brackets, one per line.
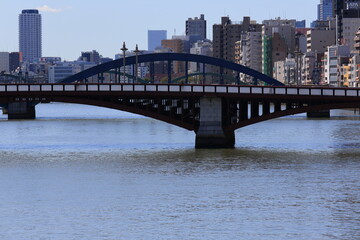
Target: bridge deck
[181, 88]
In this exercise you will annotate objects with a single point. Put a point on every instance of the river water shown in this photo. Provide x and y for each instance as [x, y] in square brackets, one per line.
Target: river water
[80, 172]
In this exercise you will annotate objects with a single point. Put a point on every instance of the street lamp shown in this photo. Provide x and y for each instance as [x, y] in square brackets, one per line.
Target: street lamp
[124, 49]
[136, 51]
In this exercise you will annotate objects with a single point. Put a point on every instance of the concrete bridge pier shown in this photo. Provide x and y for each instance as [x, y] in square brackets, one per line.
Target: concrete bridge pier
[21, 110]
[211, 133]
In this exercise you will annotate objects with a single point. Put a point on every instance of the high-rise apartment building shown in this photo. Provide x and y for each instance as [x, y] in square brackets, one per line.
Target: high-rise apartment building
[278, 41]
[30, 44]
[325, 10]
[155, 37]
[196, 26]
[344, 9]
[248, 53]
[226, 34]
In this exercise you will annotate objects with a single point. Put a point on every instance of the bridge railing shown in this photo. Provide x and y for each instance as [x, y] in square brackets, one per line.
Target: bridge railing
[183, 88]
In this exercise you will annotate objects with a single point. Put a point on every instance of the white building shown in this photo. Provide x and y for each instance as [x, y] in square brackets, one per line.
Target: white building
[30, 43]
[332, 61]
[4, 62]
[62, 70]
[284, 71]
[199, 48]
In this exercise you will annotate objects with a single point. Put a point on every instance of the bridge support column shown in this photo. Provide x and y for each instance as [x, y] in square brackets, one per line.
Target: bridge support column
[211, 133]
[21, 110]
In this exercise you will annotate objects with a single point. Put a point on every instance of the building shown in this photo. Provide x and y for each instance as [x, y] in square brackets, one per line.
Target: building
[226, 34]
[333, 60]
[4, 62]
[341, 9]
[200, 48]
[350, 25]
[176, 46]
[354, 64]
[62, 70]
[284, 71]
[311, 69]
[278, 41]
[50, 60]
[15, 58]
[93, 57]
[357, 42]
[300, 24]
[30, 43]
[319, 40]
[155, 37]
[329, 24]
[284, 27]
[196, 26]
[248, 53]
[325, 10]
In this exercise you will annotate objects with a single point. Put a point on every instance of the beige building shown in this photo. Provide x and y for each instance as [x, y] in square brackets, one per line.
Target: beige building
[176, 46]
[319, 40]
[357, 42]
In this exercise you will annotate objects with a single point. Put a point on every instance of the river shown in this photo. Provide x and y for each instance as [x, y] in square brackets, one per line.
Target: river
[80, 172]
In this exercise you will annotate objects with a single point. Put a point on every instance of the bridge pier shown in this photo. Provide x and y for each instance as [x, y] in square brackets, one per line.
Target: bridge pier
[211, 133]
[21, 110]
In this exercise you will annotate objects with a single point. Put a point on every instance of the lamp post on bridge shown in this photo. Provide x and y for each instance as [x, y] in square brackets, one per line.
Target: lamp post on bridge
[136, 51]
[124, 49]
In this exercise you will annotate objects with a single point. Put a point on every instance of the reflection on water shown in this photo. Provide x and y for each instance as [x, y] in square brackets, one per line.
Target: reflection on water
[87, 173]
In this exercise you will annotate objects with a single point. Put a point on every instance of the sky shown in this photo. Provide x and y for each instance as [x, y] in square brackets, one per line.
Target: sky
[73, 26]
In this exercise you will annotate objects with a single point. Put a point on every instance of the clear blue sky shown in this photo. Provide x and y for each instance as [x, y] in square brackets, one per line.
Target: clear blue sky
[72, 26]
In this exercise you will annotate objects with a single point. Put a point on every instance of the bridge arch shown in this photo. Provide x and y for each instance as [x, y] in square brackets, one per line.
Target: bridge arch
[130, 108]
[155, 57]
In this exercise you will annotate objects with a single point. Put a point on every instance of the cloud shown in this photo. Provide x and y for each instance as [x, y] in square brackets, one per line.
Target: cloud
[46, 8]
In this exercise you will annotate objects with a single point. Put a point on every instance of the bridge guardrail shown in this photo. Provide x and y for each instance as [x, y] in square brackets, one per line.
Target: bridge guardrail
[182, 88]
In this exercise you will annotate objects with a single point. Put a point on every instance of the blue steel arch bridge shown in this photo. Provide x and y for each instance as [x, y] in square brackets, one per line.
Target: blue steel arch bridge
[212, 110]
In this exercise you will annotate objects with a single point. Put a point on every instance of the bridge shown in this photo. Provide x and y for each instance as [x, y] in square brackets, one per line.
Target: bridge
[213, 110]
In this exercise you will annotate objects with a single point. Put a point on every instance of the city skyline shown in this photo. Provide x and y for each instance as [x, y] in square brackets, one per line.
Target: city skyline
[71, 27]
